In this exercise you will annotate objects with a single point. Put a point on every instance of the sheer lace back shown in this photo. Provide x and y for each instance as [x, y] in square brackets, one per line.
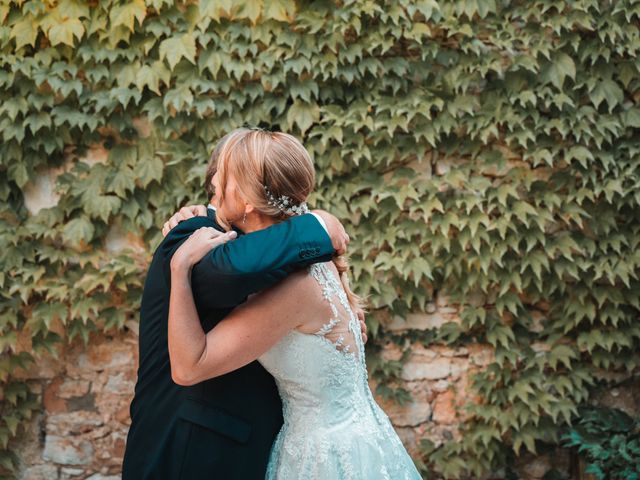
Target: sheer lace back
[342, 330]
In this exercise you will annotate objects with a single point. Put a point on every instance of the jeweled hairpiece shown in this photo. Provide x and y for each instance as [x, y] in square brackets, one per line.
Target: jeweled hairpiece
[285, 204]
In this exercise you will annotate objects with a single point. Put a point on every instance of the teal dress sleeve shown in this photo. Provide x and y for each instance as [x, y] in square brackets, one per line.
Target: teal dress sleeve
[255, 261]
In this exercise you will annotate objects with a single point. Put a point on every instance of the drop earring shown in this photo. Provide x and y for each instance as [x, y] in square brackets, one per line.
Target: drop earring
[244, 219]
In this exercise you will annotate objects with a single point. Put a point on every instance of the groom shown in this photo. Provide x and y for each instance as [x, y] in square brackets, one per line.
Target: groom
[221, 428]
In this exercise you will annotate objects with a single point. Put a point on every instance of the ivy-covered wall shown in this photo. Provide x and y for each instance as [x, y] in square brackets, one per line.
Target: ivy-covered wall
[486, 148]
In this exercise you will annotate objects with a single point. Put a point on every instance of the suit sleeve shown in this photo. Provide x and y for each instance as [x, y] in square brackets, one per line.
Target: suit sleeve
[258, 260]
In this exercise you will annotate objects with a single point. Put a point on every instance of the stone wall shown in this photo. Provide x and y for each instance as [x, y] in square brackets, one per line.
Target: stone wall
[86, 391]
[437, 378]
[81, 431]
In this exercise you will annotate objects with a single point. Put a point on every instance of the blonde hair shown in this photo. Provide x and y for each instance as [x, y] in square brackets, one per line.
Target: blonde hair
[257, 158]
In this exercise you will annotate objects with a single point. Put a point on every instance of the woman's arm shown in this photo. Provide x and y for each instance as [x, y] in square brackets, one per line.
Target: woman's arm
[245, 334]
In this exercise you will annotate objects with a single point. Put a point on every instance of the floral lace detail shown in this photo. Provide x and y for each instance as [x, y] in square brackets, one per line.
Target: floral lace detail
[342, 314]
[333, 428]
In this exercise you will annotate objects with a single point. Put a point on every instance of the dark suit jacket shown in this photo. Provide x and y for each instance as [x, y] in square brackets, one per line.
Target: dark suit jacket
[221, 428]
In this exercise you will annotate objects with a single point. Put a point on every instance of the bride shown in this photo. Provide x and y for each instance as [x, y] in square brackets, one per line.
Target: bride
[303, 330]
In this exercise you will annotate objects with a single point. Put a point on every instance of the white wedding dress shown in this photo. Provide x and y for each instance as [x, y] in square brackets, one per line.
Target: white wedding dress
[333, 428]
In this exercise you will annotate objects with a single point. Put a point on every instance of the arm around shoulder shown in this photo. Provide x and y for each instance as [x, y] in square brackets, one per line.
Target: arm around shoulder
[255, 261]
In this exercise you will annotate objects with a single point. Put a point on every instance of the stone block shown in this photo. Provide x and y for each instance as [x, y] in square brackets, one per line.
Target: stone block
[73, 388]
[425, 369]
[118, 240]
[419, 350]
[40, 472]
[108, 404]
[53, 403]
[440, 386]
[108, 355]
[625, 398]
[537, 323]
[481, 355]
[411, 414]
[419, 321]
[96, 154]
[99, 476]
[67, 450]
[123, 414]
[444, 408]
[73, 422]
[458, 367]
[391, 352]
[454, 352]
[448, 310]
[41, 192]
[119, 383]
[443, 300]
[67, 473]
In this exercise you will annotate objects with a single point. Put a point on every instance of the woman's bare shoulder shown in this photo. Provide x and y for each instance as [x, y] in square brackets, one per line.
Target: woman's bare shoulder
[298, 292]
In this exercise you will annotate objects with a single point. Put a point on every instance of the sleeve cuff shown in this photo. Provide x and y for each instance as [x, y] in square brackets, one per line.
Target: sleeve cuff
[324, 225]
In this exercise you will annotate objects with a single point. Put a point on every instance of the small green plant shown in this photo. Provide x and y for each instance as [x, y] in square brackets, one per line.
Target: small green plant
[610, 440]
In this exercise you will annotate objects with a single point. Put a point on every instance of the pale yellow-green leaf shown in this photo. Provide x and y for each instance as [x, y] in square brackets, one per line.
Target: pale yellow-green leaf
[250, 9]
[214, 8]
[281, 10]
[73, 9]
[4, 11]
[25, 32]
[148, 77]
[175, 48]
[126, 13]
[65, 31]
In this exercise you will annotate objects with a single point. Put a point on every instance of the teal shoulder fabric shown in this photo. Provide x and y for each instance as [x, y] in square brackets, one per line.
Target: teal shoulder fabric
[258, 260]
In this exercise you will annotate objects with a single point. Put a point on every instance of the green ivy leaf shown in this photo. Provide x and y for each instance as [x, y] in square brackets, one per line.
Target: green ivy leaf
[121, 182]
[609, 91]
[176, 48]
[560, 67]
[101, 206]
[78, 230]
[303, 115]
[148, 170]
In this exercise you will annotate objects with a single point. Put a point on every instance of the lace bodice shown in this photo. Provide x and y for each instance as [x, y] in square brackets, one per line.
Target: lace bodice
[333, 427]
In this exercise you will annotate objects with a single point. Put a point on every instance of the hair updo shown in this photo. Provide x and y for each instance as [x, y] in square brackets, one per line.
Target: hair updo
[258, 159]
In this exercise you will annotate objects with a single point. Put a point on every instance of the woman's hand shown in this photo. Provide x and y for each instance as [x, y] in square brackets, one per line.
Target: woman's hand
[363, 325]
[202, 241]
[339, 237]
[184, 213]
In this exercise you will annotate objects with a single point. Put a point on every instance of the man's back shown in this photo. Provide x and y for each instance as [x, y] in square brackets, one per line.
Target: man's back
[208, 430]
